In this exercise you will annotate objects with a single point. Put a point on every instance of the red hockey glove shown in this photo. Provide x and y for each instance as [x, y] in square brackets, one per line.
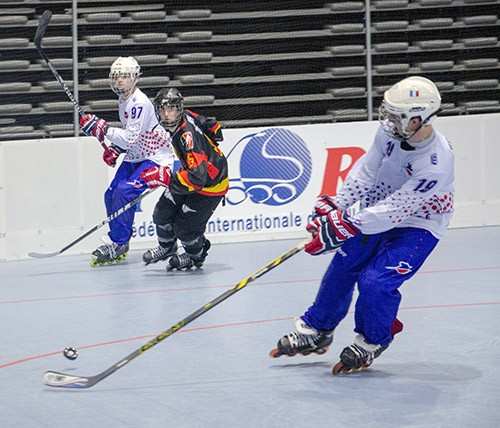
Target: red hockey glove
[156, 176]
[329, 232]
[110, 155]
[93, 126]
[324, 204]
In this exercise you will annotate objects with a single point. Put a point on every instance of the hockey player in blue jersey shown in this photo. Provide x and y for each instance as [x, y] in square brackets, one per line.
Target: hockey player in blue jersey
[404, 185]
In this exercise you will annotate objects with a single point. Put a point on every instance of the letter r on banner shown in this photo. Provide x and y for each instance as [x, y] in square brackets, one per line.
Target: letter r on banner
[335, 172]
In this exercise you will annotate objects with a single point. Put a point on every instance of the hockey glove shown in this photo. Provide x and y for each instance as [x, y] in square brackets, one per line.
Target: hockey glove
[110, 155]
[329, 232]
[156, 176]
[93, 126]
[324, 204]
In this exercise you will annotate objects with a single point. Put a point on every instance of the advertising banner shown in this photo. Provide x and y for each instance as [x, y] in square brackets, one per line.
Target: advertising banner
[275, 175]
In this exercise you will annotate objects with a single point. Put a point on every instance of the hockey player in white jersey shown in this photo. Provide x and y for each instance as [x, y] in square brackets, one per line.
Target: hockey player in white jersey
[404, 185]
[145, 145]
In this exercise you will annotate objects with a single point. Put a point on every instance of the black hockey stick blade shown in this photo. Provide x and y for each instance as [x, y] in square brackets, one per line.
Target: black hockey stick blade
[89, 232]
[64, 380]
[43, 23]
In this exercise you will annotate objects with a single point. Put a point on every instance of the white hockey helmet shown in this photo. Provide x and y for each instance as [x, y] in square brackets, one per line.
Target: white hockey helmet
[412, 97]
[124, 74]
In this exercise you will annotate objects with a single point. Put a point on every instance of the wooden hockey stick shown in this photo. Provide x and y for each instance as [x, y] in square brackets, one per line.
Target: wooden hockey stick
[63, 380]
[112, 216]
[43, 24]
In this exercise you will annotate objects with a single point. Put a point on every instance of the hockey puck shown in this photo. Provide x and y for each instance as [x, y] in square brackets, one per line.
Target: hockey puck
[70, 353]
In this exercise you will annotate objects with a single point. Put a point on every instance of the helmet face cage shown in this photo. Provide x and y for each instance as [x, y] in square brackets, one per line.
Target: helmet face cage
[124, 74]
[394, 122]
[413, 97]
[169, 99]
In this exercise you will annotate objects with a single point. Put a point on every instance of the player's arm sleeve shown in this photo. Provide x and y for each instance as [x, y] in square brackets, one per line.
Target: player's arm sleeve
[361, 177]
[124, 137]
[403, 203]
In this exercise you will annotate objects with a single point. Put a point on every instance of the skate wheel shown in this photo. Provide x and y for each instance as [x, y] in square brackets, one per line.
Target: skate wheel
[275, 353]
[321, 351]
[339, 368]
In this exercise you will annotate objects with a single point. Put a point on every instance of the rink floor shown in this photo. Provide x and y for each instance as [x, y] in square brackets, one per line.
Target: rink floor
[442, 371]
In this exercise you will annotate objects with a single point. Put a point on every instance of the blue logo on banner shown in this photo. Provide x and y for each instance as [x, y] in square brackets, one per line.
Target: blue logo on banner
[275, 168]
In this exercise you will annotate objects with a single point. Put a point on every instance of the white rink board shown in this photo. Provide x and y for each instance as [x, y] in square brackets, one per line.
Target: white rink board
[51, 191]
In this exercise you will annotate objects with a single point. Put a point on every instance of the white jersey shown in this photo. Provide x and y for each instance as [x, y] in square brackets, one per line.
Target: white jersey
[141, 136]
[401, 188]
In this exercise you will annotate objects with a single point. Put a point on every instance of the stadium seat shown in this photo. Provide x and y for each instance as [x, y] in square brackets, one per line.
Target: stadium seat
[480, 20]
[390, 4]
[151, 59]
[57, 106]
[100, 61]
[347, 71]
[57, 41]
[15, 108]
[149, 38]
[435, 65]
[153, 81]
[481, 63]
[58, 63]
[194, 36]
[198, 57]
[434, 23]
[347, 6]
[19, 42]
[391, 47]
[434, 44]
[100, 105]
[193, 13]
[150, 15]
[480, 42]
[15, 87]
[391, 25]
[103, 18]
[487, 106]
[196, 79]
[346, 28]
[347, 115]
[348, 92]
[104, 39]
[481, 84]
[51, 85]
[427, 3]
[199, 100]
[347, 49]
[392, 68]
[445, 86]
[13, 20]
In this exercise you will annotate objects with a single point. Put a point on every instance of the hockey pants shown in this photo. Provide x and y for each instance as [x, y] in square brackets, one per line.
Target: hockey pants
[125, 187]
[379, 264]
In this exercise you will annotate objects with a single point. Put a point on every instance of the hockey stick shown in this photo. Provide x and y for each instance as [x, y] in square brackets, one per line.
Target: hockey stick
[112, 216]
[63, 380]
[43, 24]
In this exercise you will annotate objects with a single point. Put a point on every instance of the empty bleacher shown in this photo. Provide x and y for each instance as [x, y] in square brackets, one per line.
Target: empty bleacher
[247, 63]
